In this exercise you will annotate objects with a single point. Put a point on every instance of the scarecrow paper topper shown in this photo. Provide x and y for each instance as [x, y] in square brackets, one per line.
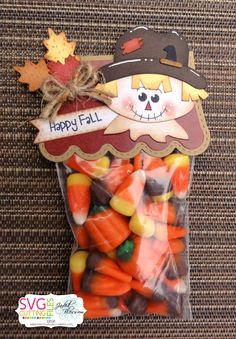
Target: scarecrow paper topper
[147, 98]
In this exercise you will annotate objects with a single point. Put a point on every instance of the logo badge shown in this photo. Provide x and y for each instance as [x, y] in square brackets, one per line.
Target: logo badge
[50, 310]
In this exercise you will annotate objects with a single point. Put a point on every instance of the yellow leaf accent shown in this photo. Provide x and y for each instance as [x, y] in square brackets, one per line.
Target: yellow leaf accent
[58, 47]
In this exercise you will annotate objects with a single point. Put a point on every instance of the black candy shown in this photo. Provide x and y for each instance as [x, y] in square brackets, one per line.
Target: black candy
[176, 269]
[86, 280]
[157, 186]
[99, 193]
[137, 304]
[112, 302]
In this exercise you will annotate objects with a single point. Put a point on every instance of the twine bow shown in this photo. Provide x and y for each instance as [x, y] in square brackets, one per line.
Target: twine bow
[82, 84]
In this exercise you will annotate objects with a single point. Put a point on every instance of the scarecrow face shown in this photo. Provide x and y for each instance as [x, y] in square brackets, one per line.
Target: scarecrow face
[146, 105]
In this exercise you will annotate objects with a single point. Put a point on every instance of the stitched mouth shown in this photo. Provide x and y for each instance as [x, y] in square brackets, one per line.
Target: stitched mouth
[148, 118]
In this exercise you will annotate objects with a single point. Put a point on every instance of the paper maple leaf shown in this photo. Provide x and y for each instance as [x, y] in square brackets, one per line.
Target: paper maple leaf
[64, 73]
[58, 47]
[33, 74]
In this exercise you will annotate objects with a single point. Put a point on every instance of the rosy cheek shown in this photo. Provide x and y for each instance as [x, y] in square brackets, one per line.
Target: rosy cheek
[170, 109]
[128, 103]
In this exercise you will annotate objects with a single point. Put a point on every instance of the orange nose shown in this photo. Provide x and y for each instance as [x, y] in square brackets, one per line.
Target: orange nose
[148, 107]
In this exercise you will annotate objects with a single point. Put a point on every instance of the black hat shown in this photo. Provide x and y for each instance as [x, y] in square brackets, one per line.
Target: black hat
[143, 51]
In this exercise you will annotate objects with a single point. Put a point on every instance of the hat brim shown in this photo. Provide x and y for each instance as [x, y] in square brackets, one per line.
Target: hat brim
[131, 67]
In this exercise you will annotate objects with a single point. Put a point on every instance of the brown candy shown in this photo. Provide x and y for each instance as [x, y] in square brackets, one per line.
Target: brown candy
[181, 211]
[99, 193]
[136, 303]
[112, 302]
[176, 267]
[155, 187]
[86, 280]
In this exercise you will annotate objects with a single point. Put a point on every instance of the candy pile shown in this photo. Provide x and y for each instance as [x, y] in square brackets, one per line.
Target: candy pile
[129, 221]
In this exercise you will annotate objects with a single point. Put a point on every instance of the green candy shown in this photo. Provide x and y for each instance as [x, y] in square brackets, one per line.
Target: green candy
[125, 251]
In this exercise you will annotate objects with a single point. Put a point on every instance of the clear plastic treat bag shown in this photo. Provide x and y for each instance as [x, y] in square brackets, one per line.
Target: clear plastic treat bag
[129, 219]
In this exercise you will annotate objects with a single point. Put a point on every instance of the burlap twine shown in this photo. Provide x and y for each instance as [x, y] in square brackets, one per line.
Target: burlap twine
[83, 84]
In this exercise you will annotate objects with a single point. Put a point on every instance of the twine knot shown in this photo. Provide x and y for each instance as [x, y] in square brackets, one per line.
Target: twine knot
[82, 84]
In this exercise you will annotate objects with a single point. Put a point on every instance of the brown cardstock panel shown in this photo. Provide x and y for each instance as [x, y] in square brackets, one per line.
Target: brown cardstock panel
[121, 145]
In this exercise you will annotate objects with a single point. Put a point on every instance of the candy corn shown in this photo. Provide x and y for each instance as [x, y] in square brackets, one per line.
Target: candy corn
[107, 228]
[78, 192]
[117, 162]
[116, 176]
[162, 212]
[135, 256]
[160, 308]
[142, 225]
[77, 268]
[99, 192]
[176, 267]
[92, 168]
[129, 193]
[177, 246]
[102, 264]
[143, 288]
[94, 302]
[179, 166]
[132, 243]
[136, 303]
[164, 231]
[103, 285]
[177, 285]
[147, 162]
[81, 236]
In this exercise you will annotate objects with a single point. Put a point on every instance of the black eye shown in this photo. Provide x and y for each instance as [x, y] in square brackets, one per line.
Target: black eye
[155, 98]
[142, 97]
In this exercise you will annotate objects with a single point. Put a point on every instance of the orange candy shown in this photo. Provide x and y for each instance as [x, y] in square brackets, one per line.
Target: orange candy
[147, 162]
[115, 177]
[78, 191]
[129, 193]
[103, 285]
[102, 264]
[179, 169]
[92, 168]
[134, 260]
[107, 228]
[163, 212]
[81, 236]
[77, 268]
[142, 261]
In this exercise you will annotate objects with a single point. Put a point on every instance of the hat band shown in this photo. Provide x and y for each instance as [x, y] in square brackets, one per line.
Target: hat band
[171, 63]
[161, 60]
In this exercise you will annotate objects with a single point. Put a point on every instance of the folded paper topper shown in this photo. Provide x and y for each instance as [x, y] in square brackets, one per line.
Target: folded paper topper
[146, 97]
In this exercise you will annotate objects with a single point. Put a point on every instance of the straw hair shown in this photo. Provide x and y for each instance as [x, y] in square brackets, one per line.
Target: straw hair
[153, 81]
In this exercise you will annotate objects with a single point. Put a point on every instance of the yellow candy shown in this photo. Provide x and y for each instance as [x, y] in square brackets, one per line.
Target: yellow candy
[122, 206]
[177, 160]
[102, 166]
[77, 267]
[142, 225]
[78, 179]
[78, 261]
[161, 232]
[163, 197]
[128, 194]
